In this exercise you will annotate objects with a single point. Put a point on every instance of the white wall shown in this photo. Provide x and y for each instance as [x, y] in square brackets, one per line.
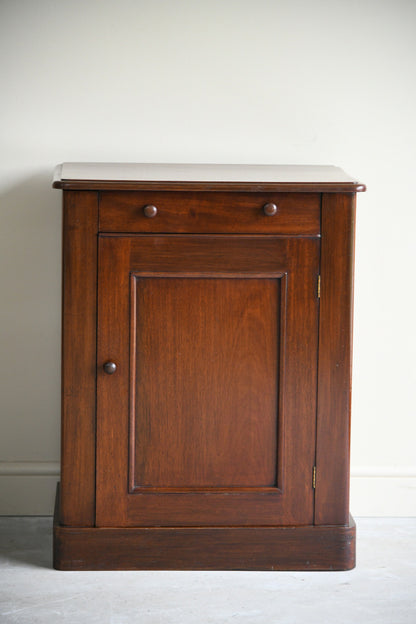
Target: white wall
[241, 81]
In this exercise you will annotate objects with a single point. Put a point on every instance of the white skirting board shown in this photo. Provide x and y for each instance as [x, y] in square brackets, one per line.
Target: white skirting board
[28, 489]
[388, 491]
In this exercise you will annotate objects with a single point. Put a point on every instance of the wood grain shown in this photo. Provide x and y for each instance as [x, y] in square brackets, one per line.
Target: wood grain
[232, 378]
[80, 222]
[335, 359]
[215, 355]
[174, 407]
[198, 548]
[204, 177]
[193, 212]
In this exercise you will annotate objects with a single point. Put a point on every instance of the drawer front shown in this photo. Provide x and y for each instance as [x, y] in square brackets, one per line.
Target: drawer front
[212, 212]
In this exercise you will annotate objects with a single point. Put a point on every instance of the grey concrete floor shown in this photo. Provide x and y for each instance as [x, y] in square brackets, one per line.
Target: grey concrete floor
[382, 588]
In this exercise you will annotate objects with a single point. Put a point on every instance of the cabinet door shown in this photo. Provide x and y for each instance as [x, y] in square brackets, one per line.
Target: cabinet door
[209, 418]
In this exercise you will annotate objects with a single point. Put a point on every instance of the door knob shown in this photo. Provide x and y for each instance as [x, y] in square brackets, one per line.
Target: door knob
[150, 211]
[110, 368]
[270, 209]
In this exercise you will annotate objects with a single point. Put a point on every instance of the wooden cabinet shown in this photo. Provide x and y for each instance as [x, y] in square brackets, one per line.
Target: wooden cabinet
[206, 367]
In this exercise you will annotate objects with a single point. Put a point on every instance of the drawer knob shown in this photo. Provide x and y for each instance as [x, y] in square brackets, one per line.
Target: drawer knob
[110, 368]
[270, 209]
[150, 211]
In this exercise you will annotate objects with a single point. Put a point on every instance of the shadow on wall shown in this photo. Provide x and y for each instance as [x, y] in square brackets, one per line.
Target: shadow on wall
[30, 277]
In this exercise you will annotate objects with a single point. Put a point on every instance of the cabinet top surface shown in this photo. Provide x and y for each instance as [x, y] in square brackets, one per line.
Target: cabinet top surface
[127, 176]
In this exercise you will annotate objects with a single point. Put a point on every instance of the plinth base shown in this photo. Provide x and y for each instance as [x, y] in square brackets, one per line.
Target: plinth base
[204, 548]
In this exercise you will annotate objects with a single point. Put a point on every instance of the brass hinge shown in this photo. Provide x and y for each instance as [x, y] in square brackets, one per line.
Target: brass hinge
[314, 477]
[319, 287]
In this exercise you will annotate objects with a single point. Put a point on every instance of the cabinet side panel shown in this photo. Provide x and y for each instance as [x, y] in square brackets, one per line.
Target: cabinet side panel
[335, 357]
[80, 225]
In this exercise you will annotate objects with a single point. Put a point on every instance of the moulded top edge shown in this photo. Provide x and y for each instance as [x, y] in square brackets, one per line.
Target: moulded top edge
[203, 176]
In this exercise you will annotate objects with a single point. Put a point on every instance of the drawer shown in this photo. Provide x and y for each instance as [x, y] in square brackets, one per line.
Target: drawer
[209, 212]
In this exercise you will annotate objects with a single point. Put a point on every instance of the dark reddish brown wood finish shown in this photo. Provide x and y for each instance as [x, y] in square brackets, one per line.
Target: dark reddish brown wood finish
[202, 377]
[252, 389]
[247, 187]
[79, 321]
[335, 359]
[215, 354]
[192, 212]
[199, 548]
[207, 178]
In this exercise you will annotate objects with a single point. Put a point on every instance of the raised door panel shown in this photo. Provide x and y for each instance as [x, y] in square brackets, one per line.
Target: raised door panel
[210, 416]
[201, 380]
